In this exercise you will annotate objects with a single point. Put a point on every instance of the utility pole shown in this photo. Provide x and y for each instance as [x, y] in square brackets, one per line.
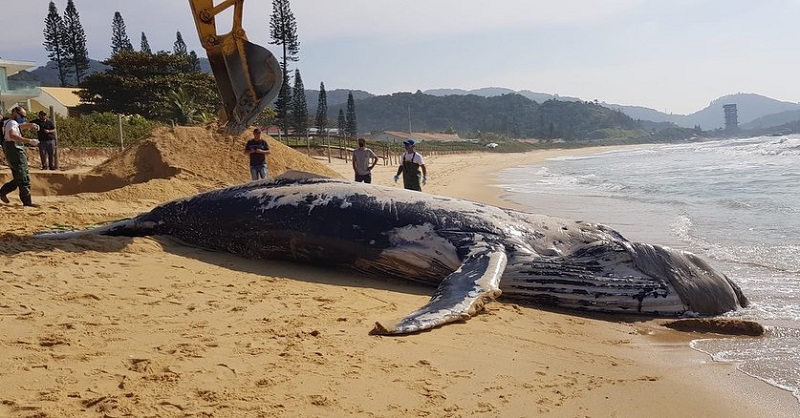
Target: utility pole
[409, 119]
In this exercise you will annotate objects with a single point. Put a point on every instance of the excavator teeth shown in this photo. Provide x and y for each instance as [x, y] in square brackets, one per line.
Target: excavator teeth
[248, 76]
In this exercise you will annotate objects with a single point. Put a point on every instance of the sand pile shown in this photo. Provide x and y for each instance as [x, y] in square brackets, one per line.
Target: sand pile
[199, 154]
[169, 164]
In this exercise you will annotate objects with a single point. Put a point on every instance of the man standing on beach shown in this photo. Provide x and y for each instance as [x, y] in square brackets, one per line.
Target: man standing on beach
[257, 149]
[14, 148]
[47, 141]
[410, 163]
[361, 161]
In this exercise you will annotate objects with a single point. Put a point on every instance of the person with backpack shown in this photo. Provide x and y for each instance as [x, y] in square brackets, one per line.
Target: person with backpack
[410, 164]
[14, 148]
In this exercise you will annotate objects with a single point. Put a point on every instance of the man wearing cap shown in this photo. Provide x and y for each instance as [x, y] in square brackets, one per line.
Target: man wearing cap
[364, 160]
[410, 164]
[14, 148]
[47, 141]
[257, 149]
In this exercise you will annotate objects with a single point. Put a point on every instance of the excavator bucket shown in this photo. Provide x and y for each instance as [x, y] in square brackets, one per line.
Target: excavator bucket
[248, 76]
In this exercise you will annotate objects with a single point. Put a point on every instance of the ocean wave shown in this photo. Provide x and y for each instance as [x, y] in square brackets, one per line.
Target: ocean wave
[773, 359]
[758, 146]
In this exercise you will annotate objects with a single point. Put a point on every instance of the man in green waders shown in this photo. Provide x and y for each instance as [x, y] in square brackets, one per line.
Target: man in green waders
[14, 148]
[410, 164]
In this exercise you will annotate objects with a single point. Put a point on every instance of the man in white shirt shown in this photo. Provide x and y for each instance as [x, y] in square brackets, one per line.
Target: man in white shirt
[410, 164]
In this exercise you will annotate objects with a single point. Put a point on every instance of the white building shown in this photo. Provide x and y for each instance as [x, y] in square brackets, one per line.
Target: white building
[30, 95]
[13, 93]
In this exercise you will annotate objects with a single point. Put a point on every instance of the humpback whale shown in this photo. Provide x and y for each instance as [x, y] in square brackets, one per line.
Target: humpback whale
[472, 252]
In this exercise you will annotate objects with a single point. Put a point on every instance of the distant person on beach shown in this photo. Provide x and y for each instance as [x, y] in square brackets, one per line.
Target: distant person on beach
[14, 148]
[257, 149]
[363, 161]
[47, 141]
[410, 164]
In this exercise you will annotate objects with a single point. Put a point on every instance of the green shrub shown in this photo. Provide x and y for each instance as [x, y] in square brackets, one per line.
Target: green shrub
[102, 130]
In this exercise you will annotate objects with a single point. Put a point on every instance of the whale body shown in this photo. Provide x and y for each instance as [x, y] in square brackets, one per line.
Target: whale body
[472, 252]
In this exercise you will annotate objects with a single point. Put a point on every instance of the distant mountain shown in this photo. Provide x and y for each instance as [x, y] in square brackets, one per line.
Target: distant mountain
[749, 107]
[334, 97]
[643, 113]
[48, 74]
[484, 92]
[509, 115]
[541, 97]
[499, 91]
[773, 120]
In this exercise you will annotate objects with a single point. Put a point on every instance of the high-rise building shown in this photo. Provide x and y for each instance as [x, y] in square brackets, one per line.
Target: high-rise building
[731, 117]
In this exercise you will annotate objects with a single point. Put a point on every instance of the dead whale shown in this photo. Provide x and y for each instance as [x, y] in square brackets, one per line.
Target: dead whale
[473, 252]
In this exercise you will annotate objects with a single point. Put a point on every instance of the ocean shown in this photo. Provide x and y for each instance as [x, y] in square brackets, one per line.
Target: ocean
[734, 202]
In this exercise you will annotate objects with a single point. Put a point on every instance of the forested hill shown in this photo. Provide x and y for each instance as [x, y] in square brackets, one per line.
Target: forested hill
[509, 115]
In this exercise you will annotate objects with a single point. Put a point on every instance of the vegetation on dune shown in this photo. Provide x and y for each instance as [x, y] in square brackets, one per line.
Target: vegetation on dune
[102, 130]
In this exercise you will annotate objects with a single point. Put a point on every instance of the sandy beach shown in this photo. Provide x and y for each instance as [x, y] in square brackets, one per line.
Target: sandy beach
[150, 327]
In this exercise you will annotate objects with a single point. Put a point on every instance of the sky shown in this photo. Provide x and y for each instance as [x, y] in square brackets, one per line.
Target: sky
[674, 56]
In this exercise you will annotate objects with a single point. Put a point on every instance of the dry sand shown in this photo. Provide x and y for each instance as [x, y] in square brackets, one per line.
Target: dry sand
[145, 327]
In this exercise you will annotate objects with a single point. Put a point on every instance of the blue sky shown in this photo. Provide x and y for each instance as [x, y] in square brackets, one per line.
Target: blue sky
[674, 56]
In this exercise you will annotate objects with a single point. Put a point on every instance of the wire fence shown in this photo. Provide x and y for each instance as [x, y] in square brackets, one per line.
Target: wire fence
[389, 153]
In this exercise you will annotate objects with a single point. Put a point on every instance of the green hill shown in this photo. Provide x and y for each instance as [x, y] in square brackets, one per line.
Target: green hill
[508, 115]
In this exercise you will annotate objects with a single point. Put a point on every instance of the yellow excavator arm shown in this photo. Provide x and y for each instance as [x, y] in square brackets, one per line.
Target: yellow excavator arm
[248, 76]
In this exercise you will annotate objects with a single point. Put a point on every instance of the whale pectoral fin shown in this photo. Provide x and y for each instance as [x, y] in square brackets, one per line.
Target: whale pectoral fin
[460, 295]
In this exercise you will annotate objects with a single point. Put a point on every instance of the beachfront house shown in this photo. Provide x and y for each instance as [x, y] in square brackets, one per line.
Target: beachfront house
[29, 94]
[13, 93]
[63, 100]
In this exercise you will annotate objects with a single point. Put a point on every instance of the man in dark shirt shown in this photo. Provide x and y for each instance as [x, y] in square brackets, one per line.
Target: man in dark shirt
[47, 141]
[257, 149]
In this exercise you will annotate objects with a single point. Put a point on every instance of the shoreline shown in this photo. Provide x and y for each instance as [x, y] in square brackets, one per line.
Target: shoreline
[677, 370]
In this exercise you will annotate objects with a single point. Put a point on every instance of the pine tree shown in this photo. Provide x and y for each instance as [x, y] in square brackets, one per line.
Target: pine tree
[55, 43]
[282, 104]
[341, 122]
[299, 106]
[322, 111]
[283, 31]
[119, 37]
[194, 62]
[145, 46]
[351, 126]
[179, 47]
[75, 40]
